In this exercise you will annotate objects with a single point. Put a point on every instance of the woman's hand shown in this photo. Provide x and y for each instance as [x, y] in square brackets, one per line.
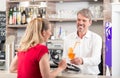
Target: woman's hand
[62, 64]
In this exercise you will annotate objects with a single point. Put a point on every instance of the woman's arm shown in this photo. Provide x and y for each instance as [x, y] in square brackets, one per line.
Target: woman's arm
[45, 67]
[13, 66]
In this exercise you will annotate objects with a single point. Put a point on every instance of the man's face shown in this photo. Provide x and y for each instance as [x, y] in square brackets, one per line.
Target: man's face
[83, 23]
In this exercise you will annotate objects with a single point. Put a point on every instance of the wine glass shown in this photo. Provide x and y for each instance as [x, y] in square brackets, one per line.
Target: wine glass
[71, 54]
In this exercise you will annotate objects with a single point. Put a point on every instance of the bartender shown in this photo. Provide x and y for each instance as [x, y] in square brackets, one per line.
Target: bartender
[83, 47]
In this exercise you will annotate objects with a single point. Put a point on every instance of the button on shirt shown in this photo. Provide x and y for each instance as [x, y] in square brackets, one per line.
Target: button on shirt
[88, 48]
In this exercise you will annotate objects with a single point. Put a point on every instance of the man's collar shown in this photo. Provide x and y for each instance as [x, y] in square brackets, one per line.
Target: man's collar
[87, 35]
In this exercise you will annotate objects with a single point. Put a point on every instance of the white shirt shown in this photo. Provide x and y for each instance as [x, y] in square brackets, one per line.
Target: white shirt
[88, 48]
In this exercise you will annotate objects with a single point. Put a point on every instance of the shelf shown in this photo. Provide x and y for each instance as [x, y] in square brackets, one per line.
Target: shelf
[18, 0]
[70, 0]
[61, 19]
[70, 19]
[57, 0]
[98, 19]
[17, 26]
[54, 20]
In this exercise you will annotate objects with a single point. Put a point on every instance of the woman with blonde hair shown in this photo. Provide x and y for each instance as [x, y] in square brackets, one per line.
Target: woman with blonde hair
[32, 59]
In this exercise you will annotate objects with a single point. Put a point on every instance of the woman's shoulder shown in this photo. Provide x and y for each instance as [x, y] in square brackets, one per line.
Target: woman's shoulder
[39, 46]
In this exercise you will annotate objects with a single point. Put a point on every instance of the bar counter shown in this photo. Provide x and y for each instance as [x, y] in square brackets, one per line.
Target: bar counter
[65, 75]
[6, 74]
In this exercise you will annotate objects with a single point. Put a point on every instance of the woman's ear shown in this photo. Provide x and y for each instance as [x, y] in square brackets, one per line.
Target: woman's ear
[43, 33]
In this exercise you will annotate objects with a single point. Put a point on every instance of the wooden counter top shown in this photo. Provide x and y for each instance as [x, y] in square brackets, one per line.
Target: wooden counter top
[6, 74]
[81, 76]
[78, 75]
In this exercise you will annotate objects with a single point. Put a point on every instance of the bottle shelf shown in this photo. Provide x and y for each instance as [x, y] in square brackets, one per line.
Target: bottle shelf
[56, 0]
[17, 26]
[18, 0]
[70, 19]
[98, 19]
[61, 19]
[53, 20]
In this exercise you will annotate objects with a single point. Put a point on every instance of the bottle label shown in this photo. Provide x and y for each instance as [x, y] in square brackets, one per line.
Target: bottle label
[23, 19]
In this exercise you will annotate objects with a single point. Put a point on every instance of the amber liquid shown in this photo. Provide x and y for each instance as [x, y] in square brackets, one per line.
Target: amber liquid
[71, 55]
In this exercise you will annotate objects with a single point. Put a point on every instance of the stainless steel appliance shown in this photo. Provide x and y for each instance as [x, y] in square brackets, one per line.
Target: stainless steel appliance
[55, 48]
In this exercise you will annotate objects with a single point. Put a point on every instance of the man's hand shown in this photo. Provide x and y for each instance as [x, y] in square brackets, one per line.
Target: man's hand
[77, 61]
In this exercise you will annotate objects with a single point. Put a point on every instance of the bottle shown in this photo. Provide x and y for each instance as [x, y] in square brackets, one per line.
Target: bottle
[23, 16]
[40, 13]
[44, 13]
[10, 16]
[28, 15]
[14, 20]
[34, 12]
[18, 16]
[31, 12]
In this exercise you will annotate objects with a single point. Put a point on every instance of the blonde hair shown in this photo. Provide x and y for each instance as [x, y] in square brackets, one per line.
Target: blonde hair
[34, 33]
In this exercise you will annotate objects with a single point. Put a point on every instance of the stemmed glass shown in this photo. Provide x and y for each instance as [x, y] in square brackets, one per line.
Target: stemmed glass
[71, 53]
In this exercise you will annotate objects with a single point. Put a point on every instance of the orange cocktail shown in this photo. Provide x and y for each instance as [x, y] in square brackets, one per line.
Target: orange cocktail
[71, 54]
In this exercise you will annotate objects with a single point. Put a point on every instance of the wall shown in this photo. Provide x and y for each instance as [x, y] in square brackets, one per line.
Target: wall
[70, 10]
[115, 40]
